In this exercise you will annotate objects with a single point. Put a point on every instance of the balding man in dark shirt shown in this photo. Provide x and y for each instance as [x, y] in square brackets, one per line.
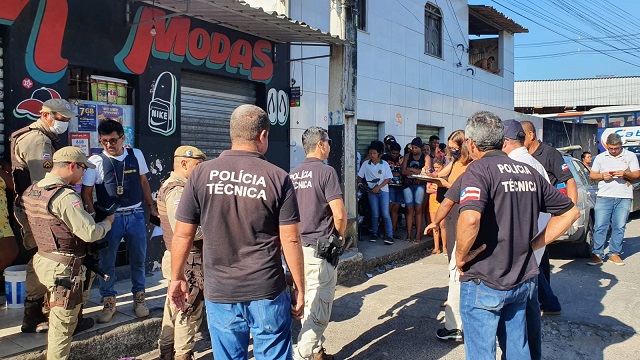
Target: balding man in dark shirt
[248, 212]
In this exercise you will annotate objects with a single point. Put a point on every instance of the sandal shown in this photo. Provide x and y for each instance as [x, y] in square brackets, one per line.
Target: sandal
[416, 241]
[436, 251]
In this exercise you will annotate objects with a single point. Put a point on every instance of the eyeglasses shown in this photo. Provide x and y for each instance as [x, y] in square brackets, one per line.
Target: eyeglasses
[110, 141]
[328, 141]
[82, 166]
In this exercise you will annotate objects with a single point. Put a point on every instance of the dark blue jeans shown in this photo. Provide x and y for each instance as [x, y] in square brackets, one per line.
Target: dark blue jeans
[268, 321]
[534, 326]
[134, 231]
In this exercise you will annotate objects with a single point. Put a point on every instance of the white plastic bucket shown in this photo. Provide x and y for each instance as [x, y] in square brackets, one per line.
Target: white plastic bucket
[15, 285]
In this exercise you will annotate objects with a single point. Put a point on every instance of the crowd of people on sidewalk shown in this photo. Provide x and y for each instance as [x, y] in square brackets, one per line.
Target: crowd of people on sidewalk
[489, 196]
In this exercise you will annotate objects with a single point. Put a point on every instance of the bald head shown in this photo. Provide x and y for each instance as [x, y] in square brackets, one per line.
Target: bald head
[247, 122]
[528, 126]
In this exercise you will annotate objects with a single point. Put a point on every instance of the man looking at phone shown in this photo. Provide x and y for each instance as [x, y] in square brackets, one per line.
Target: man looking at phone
[614, 170]
[120, 178]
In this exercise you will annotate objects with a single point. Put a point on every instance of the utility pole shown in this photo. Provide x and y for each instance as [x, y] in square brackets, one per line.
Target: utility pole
[342, 104]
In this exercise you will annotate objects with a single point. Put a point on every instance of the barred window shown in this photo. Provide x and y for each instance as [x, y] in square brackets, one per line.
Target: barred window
[432, 30]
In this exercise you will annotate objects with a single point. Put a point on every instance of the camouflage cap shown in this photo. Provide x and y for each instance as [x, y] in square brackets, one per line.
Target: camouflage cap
[59, 106]
[72, 154]
[191, 152]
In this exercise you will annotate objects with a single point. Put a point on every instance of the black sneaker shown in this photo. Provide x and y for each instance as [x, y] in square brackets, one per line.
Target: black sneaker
[444, 334]
[373, 238]
[388, 240]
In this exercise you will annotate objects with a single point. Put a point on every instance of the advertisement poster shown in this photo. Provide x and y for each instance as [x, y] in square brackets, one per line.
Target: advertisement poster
[87, 117]
[81, 140]
[110, 112]
[122, 113]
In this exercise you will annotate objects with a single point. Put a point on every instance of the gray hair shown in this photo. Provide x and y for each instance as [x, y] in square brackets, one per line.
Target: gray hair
[311, 137]
[614, 139]
[247, 122]
[486, 130]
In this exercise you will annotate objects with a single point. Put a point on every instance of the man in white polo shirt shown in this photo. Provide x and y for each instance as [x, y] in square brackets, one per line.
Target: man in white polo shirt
[614, 170]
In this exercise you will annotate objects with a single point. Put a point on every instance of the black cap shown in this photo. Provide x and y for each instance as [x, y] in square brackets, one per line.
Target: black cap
[389, 139]
[513, 130]
[417, 142]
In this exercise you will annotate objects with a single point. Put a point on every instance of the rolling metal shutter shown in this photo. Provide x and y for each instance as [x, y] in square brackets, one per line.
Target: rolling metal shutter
[1, 98]
[367, 131]
[424, 132]
[206, 106]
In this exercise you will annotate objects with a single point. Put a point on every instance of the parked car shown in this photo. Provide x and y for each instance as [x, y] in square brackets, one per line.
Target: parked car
[581, 231]
[635, 203]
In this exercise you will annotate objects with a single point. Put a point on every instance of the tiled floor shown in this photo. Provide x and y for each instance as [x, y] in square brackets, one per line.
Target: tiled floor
[12, 341]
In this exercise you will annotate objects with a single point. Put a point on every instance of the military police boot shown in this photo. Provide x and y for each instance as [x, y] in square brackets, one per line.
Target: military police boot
[140, 306]
[187, 356]
[166, 352]
[108, 310]
[34, 320]
[83, 322]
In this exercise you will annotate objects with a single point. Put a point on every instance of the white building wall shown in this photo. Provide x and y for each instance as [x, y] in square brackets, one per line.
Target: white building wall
[399, 85]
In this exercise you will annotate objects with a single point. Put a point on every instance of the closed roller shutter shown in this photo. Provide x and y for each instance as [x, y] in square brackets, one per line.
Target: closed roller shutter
[1, 98]
[367, 132]
[424, 132]
[206, 106]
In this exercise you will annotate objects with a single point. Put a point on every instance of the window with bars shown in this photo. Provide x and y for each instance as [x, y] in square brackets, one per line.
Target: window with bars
[361, 15]
[432, 30]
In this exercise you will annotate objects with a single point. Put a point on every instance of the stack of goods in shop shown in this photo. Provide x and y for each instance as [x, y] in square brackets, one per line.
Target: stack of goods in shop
[108, 90]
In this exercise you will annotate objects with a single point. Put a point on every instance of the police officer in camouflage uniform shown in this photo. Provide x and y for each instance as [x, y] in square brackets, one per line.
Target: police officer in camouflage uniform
[31, 150]
[62, 230]
[177, 336]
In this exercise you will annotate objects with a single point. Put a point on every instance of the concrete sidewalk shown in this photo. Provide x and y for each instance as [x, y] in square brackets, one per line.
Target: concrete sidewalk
[127, 335]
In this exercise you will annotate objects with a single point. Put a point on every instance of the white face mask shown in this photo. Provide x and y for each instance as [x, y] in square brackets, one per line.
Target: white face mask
[60, 127]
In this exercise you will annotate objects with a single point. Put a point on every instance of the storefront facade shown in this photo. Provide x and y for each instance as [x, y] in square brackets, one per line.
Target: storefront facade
[183, 76]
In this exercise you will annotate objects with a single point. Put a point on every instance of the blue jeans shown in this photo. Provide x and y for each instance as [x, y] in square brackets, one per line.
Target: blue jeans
[482, 308]
[395, 195]
[534, 326]
[134, 231]
[379, 204]
[268, 321]
[614, 212]
[413, 195]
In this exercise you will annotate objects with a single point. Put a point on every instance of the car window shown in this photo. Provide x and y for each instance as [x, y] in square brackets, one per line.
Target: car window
[577, 174]
[584, 173]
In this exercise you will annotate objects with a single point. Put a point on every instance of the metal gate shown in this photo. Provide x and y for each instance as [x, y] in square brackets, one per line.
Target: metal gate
[367, 131]
[206, 106]
[424, 132]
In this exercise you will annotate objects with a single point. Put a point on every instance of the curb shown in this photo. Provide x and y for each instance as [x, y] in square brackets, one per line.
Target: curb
[355, 266]
[114, 342]
[141, 336]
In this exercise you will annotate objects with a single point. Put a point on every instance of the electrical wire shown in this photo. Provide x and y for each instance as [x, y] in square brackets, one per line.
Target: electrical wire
[563, 35]
[544, 14]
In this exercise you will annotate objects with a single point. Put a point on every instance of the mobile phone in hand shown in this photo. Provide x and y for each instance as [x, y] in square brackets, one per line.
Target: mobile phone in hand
[155, 220]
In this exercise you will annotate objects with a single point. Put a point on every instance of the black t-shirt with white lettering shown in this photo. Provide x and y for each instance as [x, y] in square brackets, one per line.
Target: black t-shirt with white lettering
[553, 162]
[240, 200]
[509, 195]
[316, 185]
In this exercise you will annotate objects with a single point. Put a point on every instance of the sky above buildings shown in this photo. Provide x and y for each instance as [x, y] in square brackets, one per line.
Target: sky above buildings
[571, 39]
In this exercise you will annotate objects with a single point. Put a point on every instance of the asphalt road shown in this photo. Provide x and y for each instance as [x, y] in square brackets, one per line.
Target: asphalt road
[395, 313]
